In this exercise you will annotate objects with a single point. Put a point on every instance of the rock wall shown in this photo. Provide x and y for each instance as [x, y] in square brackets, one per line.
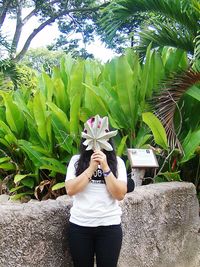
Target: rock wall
[160, 224]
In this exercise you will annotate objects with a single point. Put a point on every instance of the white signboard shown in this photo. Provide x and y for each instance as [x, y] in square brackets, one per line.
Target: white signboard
[141, 158]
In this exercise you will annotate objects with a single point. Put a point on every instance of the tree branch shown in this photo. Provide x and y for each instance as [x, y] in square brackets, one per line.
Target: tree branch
[4, 11]
[18, 29]
[33, 12]
[48, 22]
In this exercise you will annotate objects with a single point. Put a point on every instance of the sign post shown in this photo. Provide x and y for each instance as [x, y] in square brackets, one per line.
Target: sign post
[140, 160]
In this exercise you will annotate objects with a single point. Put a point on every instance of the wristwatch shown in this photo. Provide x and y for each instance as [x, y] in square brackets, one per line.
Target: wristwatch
[105, 174]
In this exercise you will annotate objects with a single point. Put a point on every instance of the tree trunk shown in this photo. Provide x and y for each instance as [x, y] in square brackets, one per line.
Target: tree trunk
[3, 12]
[48, 22]
[18, 30]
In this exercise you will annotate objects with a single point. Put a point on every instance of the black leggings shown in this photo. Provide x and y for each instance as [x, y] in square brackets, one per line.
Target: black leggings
[102, 241]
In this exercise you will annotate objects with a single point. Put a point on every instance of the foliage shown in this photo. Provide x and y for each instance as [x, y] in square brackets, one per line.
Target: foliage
[9, 74]
[71, 46]
[42, 59]
[46, 12]
[175, 24]
[40, 127]
[86, 26]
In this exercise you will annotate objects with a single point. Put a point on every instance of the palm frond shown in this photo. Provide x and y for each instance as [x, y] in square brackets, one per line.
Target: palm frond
[196, 5]
[120, 10]
[166, 35]
[196, 58]
[166, 101]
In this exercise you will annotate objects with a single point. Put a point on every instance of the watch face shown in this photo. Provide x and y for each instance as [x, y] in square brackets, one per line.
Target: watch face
[98, 177]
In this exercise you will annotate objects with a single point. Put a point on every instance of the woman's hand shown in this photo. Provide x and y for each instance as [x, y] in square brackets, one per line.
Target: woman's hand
[115, 187]
[100, 158]
[93, 165]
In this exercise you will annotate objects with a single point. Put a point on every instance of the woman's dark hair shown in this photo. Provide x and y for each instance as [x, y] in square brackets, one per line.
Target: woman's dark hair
[85, 155]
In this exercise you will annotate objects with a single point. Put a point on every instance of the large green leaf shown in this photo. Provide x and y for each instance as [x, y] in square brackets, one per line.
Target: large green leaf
[60, 115]
[190, 144]
[40, 114]
[54, 165]
[194, 91]
[77, 78]
[122, 146]
[7, 132]
[61, 96]
[157, 129]
[14, 116]
[74, 115]
[33, 155]
[46, 86]
[127, 89]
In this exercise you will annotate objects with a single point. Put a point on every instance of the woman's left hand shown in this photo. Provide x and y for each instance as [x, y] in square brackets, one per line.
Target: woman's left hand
[99, 156]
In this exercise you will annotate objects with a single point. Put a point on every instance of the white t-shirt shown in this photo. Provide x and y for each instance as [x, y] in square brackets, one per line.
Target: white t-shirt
[94, 206]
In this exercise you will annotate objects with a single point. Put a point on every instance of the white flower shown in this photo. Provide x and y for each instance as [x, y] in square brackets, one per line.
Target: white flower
[97, 134]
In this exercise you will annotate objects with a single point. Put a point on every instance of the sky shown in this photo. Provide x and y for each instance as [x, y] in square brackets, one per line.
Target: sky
[48, 35]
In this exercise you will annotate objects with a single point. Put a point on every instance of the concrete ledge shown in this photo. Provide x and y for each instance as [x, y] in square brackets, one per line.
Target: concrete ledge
[160, 224]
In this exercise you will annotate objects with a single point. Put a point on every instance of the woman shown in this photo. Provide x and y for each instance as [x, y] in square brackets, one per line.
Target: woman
[97, 180]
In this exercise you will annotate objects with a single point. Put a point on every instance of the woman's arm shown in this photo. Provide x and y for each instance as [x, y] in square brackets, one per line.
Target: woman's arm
[74, 186]
[116, 187]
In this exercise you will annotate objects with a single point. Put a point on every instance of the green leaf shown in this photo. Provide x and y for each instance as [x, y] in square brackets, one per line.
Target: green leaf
[127, 89]
[28, 182]
[20, 195]
[194, 91]
[39, 111]
[19, 177]
[7, 131]
[60, 115]
[122, 145]
[58, 186]
[191, 142]
[171, 176]
[61, 97]
[7, 166]
[62, 137]
[4, 159]
[14, 116]
[33, 155]
[54, 165]
[157, 129]
[74, 115]
[14, 189]
[46, 85]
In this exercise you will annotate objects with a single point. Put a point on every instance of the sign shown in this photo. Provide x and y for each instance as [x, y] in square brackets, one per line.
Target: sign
[142, 158]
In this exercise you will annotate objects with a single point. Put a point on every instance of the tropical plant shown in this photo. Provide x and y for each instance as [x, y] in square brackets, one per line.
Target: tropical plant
[41, 127]
[175, 22]
[175, 105]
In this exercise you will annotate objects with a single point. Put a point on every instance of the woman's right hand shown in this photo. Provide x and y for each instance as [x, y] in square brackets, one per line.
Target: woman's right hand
[93, 163]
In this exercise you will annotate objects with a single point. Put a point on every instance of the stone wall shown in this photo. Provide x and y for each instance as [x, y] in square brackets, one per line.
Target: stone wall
[160, 224]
